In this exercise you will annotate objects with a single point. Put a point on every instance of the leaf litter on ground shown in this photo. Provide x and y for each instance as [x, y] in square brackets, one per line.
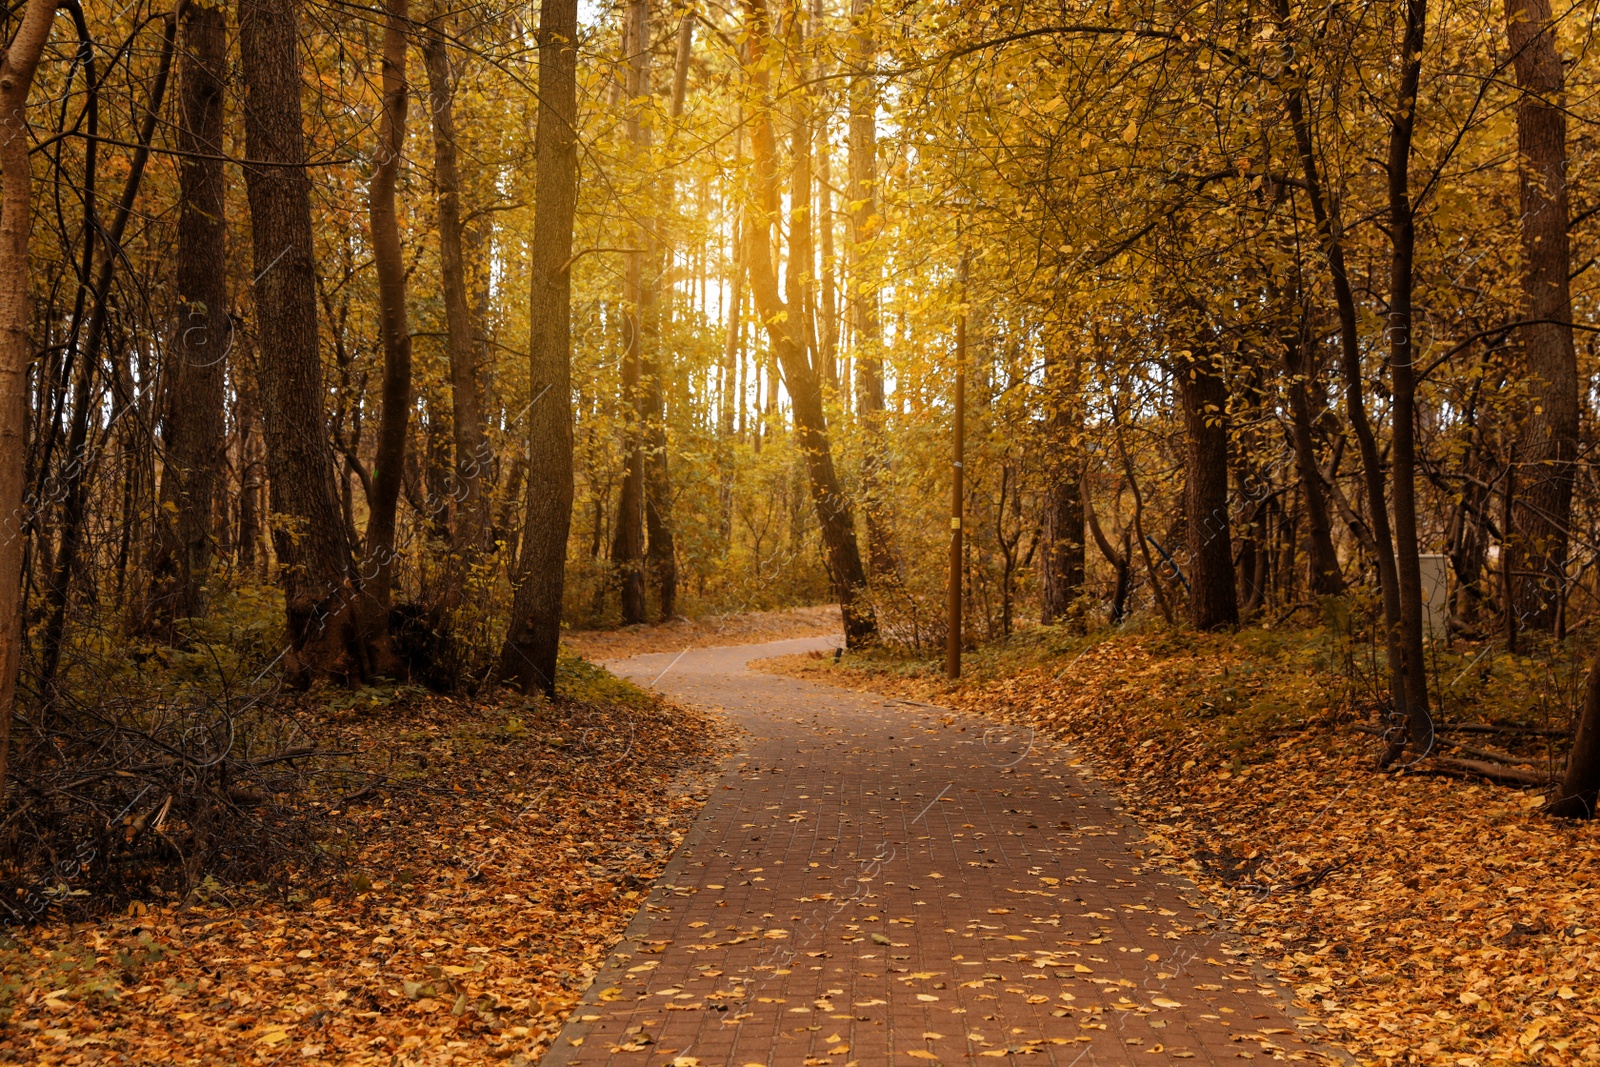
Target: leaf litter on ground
[1419, 918]
[477, 888]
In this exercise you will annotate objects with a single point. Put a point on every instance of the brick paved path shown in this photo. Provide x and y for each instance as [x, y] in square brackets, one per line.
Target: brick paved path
[876, 882]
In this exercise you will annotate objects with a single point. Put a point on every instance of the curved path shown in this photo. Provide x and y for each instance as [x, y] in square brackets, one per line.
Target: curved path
[880, 882]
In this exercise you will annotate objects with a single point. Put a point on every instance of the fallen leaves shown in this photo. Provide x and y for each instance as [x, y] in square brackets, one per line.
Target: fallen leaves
[484, 888]
[1420, 919]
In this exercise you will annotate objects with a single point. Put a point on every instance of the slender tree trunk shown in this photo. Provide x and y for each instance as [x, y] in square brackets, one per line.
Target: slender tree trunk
[1550, 445]
[252, 556]
[1061, 562]
[472, 459]
[661, 561]
[864, 278]
[1326, 578]
[193, 432]
[1121, 562]
[733, 349]
[1213, 599]
[528, 658]
[17, 67]
[828, 301]
[1402, 369]
[388, 463]
[310, 540]
[84, 464]
[785, 334]
[1330, 232]
[628, 544]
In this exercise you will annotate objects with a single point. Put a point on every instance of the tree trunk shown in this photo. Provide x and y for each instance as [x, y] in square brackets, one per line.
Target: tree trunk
[1061, 563]
[250, 550]
[1579, 791]
[827, 331]
[1402, 369]
[1550, 445]
[528, 658]
[193, 434]
[17, 66]
[628, 544]
[863, 204]
[389, 460]
[733, 347]
[1330, 232]
[1326, 578]
[84, 458]
[310, 540]
[661, 558]
[471, 534]
[1121, 562]
[1213, 600]
[785, 333]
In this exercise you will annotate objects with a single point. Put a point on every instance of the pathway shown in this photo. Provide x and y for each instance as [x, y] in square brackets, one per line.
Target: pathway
[878, 882]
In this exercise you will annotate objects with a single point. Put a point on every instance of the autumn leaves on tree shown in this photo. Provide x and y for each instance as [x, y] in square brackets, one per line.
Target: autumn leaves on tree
[499, 320]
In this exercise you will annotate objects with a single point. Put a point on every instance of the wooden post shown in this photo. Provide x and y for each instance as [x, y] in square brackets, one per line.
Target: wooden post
[952, 661]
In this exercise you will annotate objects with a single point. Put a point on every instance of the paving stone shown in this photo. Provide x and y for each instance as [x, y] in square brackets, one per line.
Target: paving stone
[875, 881]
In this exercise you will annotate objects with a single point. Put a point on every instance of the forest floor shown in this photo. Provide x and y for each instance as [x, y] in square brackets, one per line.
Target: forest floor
[738, 628]
[476, 890]
[1420, 918]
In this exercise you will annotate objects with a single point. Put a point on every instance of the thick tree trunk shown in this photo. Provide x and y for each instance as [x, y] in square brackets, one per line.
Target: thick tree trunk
[193, 433]
[785, 332]
[389, 461]
[1550, 444]
[310, 540]
[1579, 792]
[1203, 394]
[528, 658]
[17, 66]
[472, 459]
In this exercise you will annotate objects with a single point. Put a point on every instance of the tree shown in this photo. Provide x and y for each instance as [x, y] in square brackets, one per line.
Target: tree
[388, 468]
[327, 627]
[17, 67]
[472, 454]
[1061, 563]
[862, 200]
[528, 657]
[1551, 445]
[193, 411]
[639, 322]
[1203, 395]
[786, 324]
